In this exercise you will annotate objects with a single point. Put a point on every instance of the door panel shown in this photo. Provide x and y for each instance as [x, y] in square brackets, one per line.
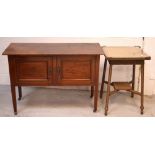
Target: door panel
[75, 70]
[33, 70]
[71, 69]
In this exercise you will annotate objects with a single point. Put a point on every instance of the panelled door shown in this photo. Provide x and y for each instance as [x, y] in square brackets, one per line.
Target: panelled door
[33, 70]
[75, 70]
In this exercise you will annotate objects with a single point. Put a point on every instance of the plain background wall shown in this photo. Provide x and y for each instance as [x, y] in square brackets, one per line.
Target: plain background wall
[119, 72]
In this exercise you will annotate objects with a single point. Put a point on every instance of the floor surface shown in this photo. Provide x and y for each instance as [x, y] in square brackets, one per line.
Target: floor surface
[47, 102]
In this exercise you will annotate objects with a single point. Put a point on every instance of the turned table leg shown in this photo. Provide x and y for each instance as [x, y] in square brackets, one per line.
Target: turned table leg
[108, 90]
[20, 92]
[103, 78]
[13, 92]
[142, 89]
[133, 80]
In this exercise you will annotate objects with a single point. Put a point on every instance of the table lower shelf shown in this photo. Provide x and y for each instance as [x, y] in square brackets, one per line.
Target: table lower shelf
[122, 86]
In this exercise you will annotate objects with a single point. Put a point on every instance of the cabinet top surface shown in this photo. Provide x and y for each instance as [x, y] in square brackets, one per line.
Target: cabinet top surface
[53, 49]
[128, 53]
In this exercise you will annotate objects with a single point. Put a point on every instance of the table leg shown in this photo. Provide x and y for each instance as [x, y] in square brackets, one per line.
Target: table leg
[133, 80]
[19, 92]
[96, 83]
[95, 97]
[13, 92]
[142, 89]
[92, 91]
[103, 78]
[108, 90]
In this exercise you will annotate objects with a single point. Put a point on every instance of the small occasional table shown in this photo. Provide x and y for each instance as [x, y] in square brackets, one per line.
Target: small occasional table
[123, 56]
[53, 64]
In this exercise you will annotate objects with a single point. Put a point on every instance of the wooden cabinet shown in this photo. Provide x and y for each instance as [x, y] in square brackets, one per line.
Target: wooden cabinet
[60, 64]
[53, 70]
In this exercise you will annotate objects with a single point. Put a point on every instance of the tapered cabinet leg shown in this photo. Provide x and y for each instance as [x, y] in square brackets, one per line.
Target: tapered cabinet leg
[13, 92]
[95, 97]
[142, 89]
[96, 83]
[133, 80]
[92, 91]
[20, 92]
[108, 90]
[103, 78]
